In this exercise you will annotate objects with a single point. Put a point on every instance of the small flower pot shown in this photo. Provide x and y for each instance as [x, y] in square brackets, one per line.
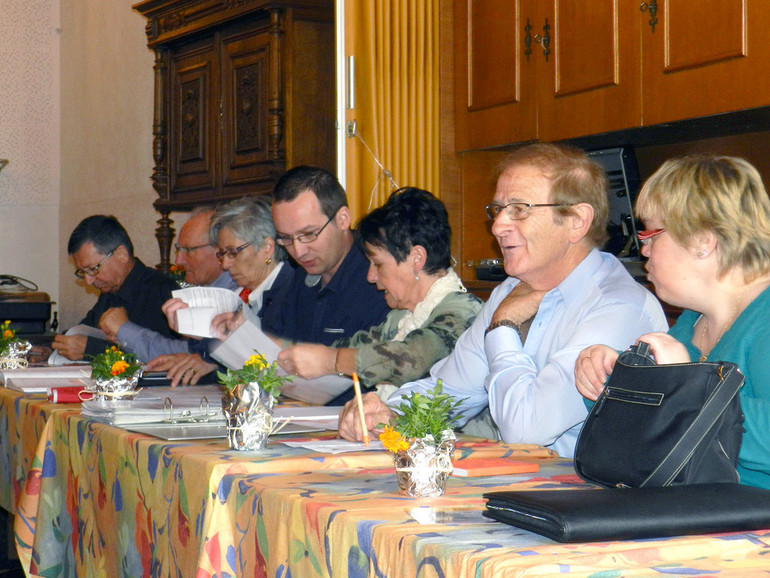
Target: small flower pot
[249, 414]
[422, 470]
[115, 388]
[14, 355]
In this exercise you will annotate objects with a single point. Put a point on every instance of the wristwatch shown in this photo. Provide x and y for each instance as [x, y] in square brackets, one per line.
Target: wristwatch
[502, 323]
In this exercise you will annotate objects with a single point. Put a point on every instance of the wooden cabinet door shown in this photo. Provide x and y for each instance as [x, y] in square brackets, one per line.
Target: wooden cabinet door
[495, 92]
[705, 58]
[245, 116]
[589, 79]
[192, 127]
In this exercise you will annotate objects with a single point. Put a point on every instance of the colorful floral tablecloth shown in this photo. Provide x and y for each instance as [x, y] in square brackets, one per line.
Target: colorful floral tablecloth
[95, 500]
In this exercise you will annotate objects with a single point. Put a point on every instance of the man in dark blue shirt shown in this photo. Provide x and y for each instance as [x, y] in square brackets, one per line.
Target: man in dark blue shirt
[328, 296]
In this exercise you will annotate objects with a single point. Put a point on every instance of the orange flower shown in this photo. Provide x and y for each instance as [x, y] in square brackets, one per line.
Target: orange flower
[7, 334]
[118, 367]
[393, 441]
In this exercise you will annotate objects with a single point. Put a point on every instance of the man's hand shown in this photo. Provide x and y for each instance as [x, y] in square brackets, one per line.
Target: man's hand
[519, 305]
[182, 368]
[375, 411]
[112, 320]
[70, 346]
[593, 366]
[225, 323]
[308, 360]
[170, 308]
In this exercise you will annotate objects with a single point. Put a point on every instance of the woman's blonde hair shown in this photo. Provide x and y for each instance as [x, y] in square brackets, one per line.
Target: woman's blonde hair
[721, 194]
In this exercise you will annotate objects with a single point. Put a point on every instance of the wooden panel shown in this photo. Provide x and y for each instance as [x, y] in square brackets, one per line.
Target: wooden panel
[478, 190]
[495, 88]
[705, 58]
[245, 86]
[192, 130]
[591, 80]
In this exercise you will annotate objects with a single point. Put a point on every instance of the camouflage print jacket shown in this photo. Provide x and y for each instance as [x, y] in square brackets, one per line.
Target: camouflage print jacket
[380, 360]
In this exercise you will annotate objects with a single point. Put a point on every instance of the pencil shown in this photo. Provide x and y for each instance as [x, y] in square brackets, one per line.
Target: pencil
[360, 404]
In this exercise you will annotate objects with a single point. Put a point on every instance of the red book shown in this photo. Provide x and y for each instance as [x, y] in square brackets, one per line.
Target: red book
[475, 467]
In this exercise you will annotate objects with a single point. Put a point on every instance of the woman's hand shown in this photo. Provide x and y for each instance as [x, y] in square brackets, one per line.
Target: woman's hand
[665, 349]
[308, 360]
[170, 308]
[182, 368]
[376, 412]
[593, 366]
[225, 323]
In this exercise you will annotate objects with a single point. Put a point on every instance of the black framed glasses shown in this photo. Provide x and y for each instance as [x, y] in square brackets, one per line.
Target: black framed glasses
[304, 238]
[231, 252]
[516, 211]
[92, 271]
[187, 250]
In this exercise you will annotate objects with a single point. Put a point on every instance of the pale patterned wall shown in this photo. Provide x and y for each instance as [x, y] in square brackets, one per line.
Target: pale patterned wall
[106, 137]
[29, 138]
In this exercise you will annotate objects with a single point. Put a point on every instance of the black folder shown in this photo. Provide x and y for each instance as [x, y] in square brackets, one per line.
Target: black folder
[628, 513]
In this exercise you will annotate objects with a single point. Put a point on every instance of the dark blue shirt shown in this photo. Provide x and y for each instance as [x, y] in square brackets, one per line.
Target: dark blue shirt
[348, 303]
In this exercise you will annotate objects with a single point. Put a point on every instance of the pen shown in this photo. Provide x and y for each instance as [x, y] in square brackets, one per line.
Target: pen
[360, 404]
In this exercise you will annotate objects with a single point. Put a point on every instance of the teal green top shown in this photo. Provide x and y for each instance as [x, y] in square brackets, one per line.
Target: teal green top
[746, 344]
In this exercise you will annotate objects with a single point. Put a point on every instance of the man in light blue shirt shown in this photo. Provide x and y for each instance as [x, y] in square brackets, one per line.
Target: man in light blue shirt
[196, 254]
[517, 359]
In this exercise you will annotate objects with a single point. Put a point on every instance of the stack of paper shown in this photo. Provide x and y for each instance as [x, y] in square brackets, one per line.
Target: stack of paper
[204, 304]
[41, 379]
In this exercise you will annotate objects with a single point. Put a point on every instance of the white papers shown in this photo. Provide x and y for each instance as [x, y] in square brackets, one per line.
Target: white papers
[248, 338]
[336, 446]
[204, 304]
[317, 417]
[58, 359]
[41, 379]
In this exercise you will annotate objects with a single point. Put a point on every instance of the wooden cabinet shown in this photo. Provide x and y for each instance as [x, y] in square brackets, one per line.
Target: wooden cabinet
[561, 69]
[244, 89]
[548, 70]
[705, 58]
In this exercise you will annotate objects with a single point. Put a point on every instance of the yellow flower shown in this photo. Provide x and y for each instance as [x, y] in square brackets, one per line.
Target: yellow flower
[393, 441]
[256, 361]
[118, 367]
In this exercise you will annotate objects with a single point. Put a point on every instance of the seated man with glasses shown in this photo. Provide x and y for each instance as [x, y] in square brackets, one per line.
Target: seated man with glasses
[328, 296]
[104, 257]
[516, 363]
[198, 257]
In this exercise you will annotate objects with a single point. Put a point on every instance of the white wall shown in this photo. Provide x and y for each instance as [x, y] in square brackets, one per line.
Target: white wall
[29, 138]
[106, 132]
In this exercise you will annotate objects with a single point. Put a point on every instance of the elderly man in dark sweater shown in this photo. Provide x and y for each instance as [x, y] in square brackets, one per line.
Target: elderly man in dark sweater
[104, 257]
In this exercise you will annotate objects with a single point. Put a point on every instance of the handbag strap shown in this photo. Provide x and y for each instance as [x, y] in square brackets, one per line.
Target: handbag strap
[709, 414]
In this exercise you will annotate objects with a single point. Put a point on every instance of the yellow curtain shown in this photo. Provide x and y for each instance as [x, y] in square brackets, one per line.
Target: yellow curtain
[395, 45]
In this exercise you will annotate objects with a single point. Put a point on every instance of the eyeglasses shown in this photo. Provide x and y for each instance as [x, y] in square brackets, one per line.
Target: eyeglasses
[646, 236]
[304, 238]
[92, 271]
[231, 252]
[516, 211]
[187, 250]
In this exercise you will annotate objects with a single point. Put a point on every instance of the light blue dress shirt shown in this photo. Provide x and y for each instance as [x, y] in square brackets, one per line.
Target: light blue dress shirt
[530, 388]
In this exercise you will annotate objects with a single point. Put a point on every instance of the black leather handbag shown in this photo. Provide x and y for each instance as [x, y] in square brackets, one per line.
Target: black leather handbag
[660, 425]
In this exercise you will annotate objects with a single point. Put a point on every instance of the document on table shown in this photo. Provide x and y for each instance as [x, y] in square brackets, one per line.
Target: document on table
[41, 379]
[204, 304]
[248, 339]
[335, 446]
